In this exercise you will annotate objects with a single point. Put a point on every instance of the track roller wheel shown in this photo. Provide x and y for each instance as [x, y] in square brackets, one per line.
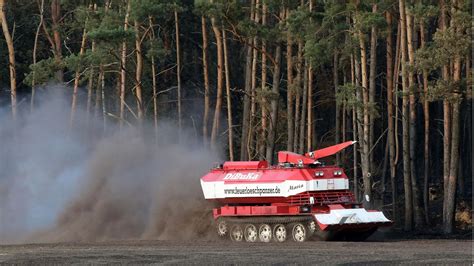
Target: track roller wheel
[279, 233]
[236, 233]
[299, 232]
[265, 233]
[250, 233]
[222, 228]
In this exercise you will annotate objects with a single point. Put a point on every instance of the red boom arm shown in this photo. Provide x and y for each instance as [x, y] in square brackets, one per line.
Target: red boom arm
[317, 154]
[311, 157]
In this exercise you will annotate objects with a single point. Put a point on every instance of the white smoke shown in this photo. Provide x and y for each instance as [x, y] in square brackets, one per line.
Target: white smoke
[59, 183]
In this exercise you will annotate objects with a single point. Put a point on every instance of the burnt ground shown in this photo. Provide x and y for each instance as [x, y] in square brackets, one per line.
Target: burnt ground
[424, 251]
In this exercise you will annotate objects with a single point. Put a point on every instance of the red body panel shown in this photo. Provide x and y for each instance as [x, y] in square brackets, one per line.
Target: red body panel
[275, 175]
[291, 157]
[245, 165]
[310, 189]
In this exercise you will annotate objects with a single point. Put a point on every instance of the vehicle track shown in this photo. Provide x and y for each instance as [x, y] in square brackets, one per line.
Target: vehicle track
[226, 252]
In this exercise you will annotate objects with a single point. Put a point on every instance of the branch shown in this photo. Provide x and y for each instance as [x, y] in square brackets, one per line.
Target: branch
[48, 36]
[247, 41]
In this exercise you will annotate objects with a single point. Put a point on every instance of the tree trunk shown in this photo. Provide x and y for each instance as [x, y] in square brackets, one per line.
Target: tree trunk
[247, 89]
[90, 83]
[446, 118]
[123, 65]
[35, 48]
[418, 211]
[264, 105]
[272, 125]
[11, 56]
[354, 129]
[299, 75]
[289, 100]
[206, 80]
[100, 91]
[98, 98]
[228, 99]
[405, 122]
[355, 167]
[344, 117]
[253, 103]
[220, 68]
[338, 106]
[178, 71]
[154, 83]
[102, 95]
[450, 193]
[426, 149]
[138, 77]
[450, 196]
[390, 99]
[372, 75]
[359, 118]
[446, 147]
[365, 163]
[246, 111]
[396, 77]
[303, 109]
[56, 18]
[309, 129]
[77, 77]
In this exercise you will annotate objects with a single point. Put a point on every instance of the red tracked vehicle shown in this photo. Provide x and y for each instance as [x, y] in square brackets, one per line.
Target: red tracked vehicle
[299, 198]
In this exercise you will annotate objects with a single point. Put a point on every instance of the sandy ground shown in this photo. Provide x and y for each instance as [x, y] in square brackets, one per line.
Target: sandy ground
[448, 252]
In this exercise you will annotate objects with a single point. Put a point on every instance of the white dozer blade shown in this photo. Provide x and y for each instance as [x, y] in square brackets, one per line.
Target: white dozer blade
[357, 216]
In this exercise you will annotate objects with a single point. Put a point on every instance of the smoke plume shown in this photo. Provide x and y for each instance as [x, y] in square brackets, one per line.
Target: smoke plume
[62, 183]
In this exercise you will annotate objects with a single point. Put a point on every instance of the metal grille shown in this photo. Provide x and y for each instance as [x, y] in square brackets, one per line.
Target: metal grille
[331, 197]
